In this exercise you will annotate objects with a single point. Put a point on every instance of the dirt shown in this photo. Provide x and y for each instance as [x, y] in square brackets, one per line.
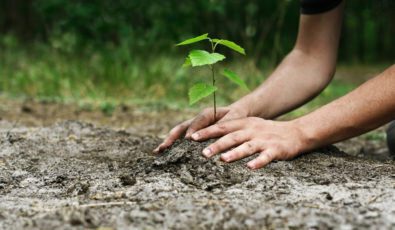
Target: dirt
[148, 119]
[77, 175]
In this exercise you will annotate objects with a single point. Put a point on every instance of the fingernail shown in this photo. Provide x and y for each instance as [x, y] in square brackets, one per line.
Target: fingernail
[187, 135]
[195, 136]
[156, 150]
[225, 157]
[207, 152]
[251, 165]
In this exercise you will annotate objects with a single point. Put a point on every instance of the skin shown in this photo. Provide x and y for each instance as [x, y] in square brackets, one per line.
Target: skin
[244, 127]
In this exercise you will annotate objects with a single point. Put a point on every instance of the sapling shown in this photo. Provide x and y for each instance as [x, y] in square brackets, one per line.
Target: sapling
[197, 58]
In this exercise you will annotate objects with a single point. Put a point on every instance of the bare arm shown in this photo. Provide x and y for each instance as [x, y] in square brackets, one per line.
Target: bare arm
[366, 108]
[305, 72]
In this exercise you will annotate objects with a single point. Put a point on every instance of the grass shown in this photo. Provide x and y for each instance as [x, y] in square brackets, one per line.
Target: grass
[112, 76]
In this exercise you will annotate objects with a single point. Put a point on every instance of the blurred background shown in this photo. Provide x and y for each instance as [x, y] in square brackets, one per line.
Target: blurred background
[123, 51]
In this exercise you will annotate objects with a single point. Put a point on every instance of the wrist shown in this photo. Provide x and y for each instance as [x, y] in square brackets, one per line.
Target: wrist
[242, 106]
[251, 106]
[308, 137]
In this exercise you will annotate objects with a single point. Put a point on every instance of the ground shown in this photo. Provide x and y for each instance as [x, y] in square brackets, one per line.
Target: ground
[64, 167]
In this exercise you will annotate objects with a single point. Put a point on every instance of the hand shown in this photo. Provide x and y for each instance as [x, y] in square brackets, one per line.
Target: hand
[274, 140]
[203, 120]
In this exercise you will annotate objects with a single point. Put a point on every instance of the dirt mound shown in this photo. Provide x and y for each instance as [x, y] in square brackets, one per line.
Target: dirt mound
[184, 160]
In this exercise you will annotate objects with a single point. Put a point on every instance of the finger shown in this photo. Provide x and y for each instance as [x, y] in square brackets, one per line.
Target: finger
[218, 129]
[226, 142]
[173, 135]
[205, 119]
[242, 151]
[263, 159]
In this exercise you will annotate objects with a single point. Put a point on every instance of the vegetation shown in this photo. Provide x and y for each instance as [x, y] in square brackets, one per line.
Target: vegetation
[204, 58]
[123, 51]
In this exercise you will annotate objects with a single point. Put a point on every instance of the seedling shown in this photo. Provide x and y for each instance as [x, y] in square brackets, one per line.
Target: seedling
[198, 58]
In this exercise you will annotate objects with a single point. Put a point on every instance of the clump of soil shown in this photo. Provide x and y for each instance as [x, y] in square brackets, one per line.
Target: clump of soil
[184, 159]
[74, 175]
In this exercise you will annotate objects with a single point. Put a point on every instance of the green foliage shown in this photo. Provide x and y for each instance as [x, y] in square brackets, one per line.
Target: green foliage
[200, 91]
[230, 45]
[193, 40]
[202, 57]
[235, 79]
[266, 28]
[110, 74]
[123, 50]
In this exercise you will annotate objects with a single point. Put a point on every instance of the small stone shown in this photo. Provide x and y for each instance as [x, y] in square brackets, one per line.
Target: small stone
[372, 214]
[127, 180]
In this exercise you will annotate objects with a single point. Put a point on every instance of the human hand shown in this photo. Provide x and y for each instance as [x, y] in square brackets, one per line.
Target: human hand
[274, 140]
[203, 120]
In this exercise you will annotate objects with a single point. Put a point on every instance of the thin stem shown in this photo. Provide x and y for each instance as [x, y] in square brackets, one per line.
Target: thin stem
[215, 46]
[212, 45]
[213, 78]
[215, 102]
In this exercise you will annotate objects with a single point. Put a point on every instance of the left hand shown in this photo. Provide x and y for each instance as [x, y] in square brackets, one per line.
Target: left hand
[274, 140]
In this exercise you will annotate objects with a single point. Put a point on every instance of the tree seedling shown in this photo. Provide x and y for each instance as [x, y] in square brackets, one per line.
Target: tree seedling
[198, 58]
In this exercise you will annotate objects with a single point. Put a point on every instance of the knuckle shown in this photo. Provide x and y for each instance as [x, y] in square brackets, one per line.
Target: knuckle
[198, 118]
[221, 126]
[270, 156]
[250, 146]
[236, 137]
[203, 117]
[259, 144]
[275, 146]
[184, 125]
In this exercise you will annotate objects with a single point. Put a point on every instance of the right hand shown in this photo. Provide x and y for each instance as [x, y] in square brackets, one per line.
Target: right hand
[203, 120]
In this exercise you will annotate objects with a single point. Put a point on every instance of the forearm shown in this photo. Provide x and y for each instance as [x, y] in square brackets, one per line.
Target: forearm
[304, 72]
[366, 108]
[296, 80]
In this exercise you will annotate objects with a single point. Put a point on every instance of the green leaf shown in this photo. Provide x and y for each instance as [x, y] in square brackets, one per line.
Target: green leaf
[202, 57]
[187, 63]
[235, 79]
[200, 91]
[193, 40]
[230, 45]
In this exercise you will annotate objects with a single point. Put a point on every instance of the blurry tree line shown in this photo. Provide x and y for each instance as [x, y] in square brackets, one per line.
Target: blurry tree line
[267, 29]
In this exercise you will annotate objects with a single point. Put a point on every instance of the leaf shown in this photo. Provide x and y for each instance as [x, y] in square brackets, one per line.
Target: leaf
[235, 79]
[187, 63]
[200, 91]
[193, 40]
[230, 45]
[202, 57]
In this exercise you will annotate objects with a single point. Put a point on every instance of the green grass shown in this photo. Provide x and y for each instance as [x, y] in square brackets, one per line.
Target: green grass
[111, 75]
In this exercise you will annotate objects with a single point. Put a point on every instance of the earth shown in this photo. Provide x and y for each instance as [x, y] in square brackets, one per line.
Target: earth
[64, 167]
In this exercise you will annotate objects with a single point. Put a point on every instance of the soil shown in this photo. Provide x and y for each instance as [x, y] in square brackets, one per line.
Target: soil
[78, 175]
